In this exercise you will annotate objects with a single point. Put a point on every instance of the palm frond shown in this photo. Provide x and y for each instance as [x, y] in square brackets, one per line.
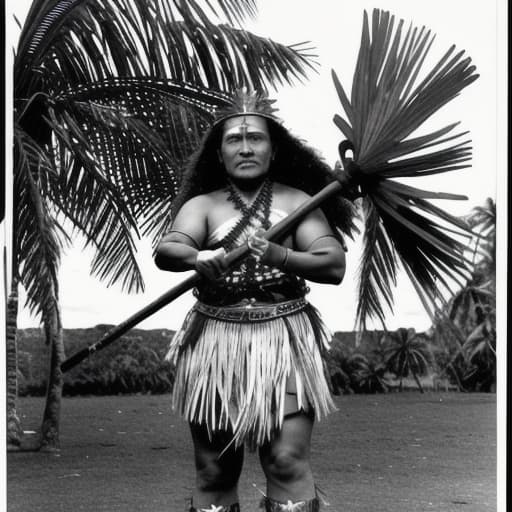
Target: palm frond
[377, 271]
[92, 202]
[484, 217]
[235, 11]
[141, 131]
[91, 40]
[75, 42]
[92, 88]
[38, 238]
[215, 56]
[46, 18]
[388, 104]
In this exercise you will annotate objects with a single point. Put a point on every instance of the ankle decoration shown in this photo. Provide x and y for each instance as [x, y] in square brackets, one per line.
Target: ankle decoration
[270, 505]
[235, 507]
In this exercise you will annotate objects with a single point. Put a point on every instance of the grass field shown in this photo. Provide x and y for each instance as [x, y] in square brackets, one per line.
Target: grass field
[398, 452]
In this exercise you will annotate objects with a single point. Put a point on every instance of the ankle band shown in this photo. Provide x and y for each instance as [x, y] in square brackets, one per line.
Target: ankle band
[270, 505]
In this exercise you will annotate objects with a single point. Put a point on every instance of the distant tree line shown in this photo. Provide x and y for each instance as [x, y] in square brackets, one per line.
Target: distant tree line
[381, 362]
[136, 364]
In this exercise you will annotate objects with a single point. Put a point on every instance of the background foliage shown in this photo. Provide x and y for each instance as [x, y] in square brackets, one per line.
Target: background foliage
[136, 364]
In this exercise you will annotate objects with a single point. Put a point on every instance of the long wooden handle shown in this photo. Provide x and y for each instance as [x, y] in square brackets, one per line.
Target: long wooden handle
[132, 321]
[276, 232]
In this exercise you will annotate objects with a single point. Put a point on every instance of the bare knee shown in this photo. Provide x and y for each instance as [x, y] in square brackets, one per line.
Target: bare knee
[213, 478]
[216, 474]
[286, 464]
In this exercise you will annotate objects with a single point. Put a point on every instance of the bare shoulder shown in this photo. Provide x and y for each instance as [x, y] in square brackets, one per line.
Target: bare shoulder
[199, 204]
[288, 198]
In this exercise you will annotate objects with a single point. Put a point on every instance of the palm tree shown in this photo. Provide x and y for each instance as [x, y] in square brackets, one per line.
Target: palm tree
[480, 347]
[110, 98]
[447, 343]
[338, 367]
[483, 220]
[472, 310]
[14, 429]
[367, 376]
[407, 353]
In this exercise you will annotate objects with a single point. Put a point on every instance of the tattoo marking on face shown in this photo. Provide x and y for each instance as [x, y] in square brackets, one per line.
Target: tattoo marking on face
[244, 126]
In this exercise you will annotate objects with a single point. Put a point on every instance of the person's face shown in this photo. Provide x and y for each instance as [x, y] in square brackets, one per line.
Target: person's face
[246, 150]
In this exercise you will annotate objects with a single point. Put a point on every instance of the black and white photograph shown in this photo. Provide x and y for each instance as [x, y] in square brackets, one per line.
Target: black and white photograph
[250, 255]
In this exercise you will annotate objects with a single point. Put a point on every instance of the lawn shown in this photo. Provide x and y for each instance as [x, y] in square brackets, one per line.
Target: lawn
[398, 452]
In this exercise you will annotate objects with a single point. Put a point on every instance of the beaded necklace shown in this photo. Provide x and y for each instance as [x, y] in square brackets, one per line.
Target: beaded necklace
[259, 209]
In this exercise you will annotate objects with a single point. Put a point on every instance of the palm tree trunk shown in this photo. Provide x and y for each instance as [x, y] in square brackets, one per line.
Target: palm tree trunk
[418, 382]
[14, 430]
[455, 374]
[51, 417]
[449, 365]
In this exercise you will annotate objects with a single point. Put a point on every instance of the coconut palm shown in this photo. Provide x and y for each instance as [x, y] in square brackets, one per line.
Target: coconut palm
[338, 368]
[407, 354]
[480, 347]
[447, 343]
[472, 310]
[470, 304]
[480, 344]
[367, 376]
[14, 429]
[110, 98]
[483, 220]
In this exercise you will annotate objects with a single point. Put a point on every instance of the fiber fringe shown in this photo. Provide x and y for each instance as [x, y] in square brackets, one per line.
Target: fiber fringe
[234, 375]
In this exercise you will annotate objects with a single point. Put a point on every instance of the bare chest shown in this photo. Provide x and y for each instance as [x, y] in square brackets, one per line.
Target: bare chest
[224, 210]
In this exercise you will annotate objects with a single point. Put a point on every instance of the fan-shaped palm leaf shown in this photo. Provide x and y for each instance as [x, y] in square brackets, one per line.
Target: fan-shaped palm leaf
[385, 108]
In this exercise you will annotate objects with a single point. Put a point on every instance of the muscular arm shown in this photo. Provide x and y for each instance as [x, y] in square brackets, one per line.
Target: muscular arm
[178, 249]
[318, 256]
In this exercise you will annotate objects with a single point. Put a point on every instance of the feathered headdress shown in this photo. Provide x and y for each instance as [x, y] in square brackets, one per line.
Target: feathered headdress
[245, 102]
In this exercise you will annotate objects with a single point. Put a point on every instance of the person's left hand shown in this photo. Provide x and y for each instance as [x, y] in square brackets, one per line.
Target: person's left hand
[258, 244]
[267, 252]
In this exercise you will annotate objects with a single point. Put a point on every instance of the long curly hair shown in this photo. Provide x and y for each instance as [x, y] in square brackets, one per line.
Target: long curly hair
[294, 164]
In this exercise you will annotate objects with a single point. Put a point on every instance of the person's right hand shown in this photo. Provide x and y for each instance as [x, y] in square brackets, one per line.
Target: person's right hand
[211, 264]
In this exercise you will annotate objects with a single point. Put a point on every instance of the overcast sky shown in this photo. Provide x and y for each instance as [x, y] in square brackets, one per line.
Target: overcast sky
[334, 28]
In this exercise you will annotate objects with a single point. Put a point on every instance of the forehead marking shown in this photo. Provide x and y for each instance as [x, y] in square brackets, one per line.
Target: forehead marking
[245, 127]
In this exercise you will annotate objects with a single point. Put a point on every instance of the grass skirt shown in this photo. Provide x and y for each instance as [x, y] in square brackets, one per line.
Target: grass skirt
[234, 375]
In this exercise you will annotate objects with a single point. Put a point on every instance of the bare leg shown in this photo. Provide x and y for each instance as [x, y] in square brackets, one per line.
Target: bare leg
[285, 461]
[216, 475]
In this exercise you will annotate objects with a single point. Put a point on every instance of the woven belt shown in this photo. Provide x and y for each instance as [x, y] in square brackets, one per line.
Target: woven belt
[251, 312]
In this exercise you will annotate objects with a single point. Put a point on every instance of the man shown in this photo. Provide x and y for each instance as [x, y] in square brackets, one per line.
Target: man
[248, 358]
